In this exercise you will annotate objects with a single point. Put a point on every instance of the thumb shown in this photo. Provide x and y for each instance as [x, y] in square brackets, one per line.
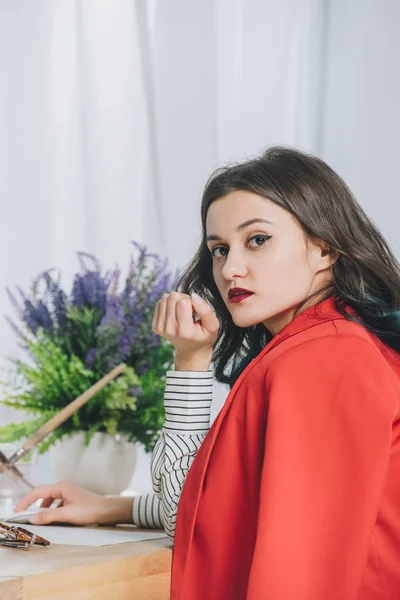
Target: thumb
[205, 312]
[47, 516]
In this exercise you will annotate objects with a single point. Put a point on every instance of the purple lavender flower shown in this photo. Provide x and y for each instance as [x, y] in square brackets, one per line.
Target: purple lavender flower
[43, 316]
[83, 256]
[55, 296]
[125, 343]
[128, 287]
[114, 283]
[113, 311]
[89, 290]
[36, 316]
[154, 340]
[140, 247]
[131, 268]
[108, 278]
[120, 331]
[138, 304]
[160, 287]
[44, 312]
[60, 303]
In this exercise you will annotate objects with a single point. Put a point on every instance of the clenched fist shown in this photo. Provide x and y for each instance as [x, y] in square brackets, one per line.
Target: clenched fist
[173, 320]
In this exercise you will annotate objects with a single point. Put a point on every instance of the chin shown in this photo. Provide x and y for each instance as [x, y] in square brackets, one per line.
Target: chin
[246, 321]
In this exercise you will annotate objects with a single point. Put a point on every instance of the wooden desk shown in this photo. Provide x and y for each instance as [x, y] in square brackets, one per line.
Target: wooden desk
[128, 571]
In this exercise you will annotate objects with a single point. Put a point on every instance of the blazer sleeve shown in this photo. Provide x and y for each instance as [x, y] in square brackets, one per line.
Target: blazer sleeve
[332, 403]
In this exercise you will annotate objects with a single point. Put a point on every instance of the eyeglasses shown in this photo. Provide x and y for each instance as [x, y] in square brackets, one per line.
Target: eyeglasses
[18, 537]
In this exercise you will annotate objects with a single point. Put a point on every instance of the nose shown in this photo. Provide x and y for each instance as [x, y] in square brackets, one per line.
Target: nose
[234, 266]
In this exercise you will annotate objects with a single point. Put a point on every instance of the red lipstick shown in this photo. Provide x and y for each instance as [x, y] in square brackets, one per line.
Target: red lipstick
[238, 294]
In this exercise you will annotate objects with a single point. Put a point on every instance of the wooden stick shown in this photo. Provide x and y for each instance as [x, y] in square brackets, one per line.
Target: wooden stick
[4, 460]
[64, 414]
[13, 471]
[16, 476]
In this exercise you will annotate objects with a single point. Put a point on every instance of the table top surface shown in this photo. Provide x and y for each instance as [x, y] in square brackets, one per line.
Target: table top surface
[38, 559]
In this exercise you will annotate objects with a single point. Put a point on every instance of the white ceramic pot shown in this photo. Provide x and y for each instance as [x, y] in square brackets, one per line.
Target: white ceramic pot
[105, 466]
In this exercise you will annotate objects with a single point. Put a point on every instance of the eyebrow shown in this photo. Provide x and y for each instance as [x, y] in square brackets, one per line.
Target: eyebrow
[240, 227]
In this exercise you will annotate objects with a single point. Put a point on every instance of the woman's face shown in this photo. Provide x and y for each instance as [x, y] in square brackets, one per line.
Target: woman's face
[272, 260]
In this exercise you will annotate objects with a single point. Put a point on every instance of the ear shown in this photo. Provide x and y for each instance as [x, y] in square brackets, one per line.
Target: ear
[328, 255]
[323, 255]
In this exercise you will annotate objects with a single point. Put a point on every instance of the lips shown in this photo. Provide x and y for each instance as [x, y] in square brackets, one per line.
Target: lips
[239, 298]
[238, 292]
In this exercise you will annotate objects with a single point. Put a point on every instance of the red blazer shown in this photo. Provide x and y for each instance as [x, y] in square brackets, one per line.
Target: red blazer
[295, 491]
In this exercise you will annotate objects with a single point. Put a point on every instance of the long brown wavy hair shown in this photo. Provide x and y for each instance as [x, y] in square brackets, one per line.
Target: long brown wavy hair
[365, 276]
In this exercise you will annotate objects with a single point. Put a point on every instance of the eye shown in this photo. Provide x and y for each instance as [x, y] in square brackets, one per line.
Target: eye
[263, 238]
[257, 238]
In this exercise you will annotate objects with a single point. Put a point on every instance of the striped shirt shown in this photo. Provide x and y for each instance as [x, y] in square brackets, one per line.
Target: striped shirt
[187, 401]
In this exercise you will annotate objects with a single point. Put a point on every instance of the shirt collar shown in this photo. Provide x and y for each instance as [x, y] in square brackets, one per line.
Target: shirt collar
[313, 315]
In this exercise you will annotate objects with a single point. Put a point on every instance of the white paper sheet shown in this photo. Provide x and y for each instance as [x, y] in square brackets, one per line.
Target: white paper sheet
[93, 536]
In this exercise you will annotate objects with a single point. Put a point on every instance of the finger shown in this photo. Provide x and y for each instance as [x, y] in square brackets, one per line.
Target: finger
[155, 316]
[162, 311]
[52, 515]
[171, 321]
[47, 502]
[40, 491]
[184, 317]
[206, 314]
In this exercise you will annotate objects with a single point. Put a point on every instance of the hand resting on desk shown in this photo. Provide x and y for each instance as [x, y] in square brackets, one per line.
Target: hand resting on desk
[77, 506]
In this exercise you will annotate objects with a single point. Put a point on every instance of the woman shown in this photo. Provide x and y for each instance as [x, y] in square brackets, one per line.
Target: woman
[294, 492]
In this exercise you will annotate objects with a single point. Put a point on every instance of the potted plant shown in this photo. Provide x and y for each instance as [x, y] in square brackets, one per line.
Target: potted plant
[72, 340]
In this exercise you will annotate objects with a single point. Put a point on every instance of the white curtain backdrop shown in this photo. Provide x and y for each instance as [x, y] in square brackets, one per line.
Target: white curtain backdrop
[113, 113]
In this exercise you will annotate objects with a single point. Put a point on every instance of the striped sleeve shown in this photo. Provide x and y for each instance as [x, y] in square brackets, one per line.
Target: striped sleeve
[147, 511]
[187, 401]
